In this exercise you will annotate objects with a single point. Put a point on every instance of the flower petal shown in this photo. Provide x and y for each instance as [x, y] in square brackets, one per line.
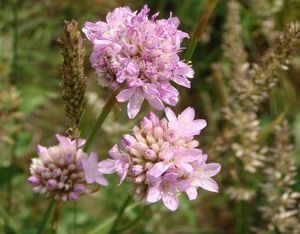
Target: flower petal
[155, 102]
[107, 166]
[158, 169]
[187, 115]
[101, 180]
[171, 116]
[134, 105]
[207, 183]
[152, 96]
[170, 201]
[192, 193]
[125, 94]
[183, 81]
[153, 195]
[63, 140]
[190, 155]
[197, 125]
[211, 169]
[186, 167]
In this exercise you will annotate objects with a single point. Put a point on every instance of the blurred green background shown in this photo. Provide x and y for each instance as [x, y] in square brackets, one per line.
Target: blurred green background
[32, 111]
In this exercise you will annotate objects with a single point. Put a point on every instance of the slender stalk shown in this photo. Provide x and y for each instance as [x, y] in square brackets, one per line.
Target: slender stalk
[246, 214]
[46, 216]
[56, 217]
[104, 224]
[74, 216]
[135, 221]
[105, 111]
[211, 4]
[238, 217]
[120, 214]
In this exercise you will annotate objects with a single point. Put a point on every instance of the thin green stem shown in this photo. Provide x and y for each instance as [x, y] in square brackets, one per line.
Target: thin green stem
[210, 6]
[46, 216]
[104, 113]
[120, 214]
[103, 225]
[241, 217]
[135, 221]
[246, 214]
[74, 216]
[56, 217]
[191, 49]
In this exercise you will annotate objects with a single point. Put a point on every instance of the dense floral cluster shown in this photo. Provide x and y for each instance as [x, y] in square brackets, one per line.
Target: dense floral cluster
[59, 171]
[141, 54]
[162, 159]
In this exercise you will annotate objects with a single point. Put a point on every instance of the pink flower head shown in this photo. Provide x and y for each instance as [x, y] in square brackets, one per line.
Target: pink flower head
[60, 171]
[162, 159]
[142, 54]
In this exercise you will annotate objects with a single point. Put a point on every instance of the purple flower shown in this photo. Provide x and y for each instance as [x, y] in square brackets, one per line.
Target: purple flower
[60, 171]
[141, 53]
[162, 159]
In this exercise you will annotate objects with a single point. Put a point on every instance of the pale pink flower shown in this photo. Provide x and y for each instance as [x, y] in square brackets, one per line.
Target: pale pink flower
[58, 171]
[162, 159]
[141, 53]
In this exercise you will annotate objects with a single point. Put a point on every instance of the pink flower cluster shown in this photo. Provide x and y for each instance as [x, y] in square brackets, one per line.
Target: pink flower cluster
[162, 159]
[141, 54]
[61, 171]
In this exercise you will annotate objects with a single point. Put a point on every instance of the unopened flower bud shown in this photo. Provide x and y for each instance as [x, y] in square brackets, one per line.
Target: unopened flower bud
[51, 183]
[137, 169]
[79, 188]
[33, 180]
[140, 179]
[158, 132]
[73, 196]
[150, 154]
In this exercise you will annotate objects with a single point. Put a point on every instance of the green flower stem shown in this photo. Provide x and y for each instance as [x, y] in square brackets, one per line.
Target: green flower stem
[210, 6]
[135, 221]
[241, 217]
[120, 214]
[56, 217]
[105, 111]
[103, 225]
[46, 216]
[74, 216]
